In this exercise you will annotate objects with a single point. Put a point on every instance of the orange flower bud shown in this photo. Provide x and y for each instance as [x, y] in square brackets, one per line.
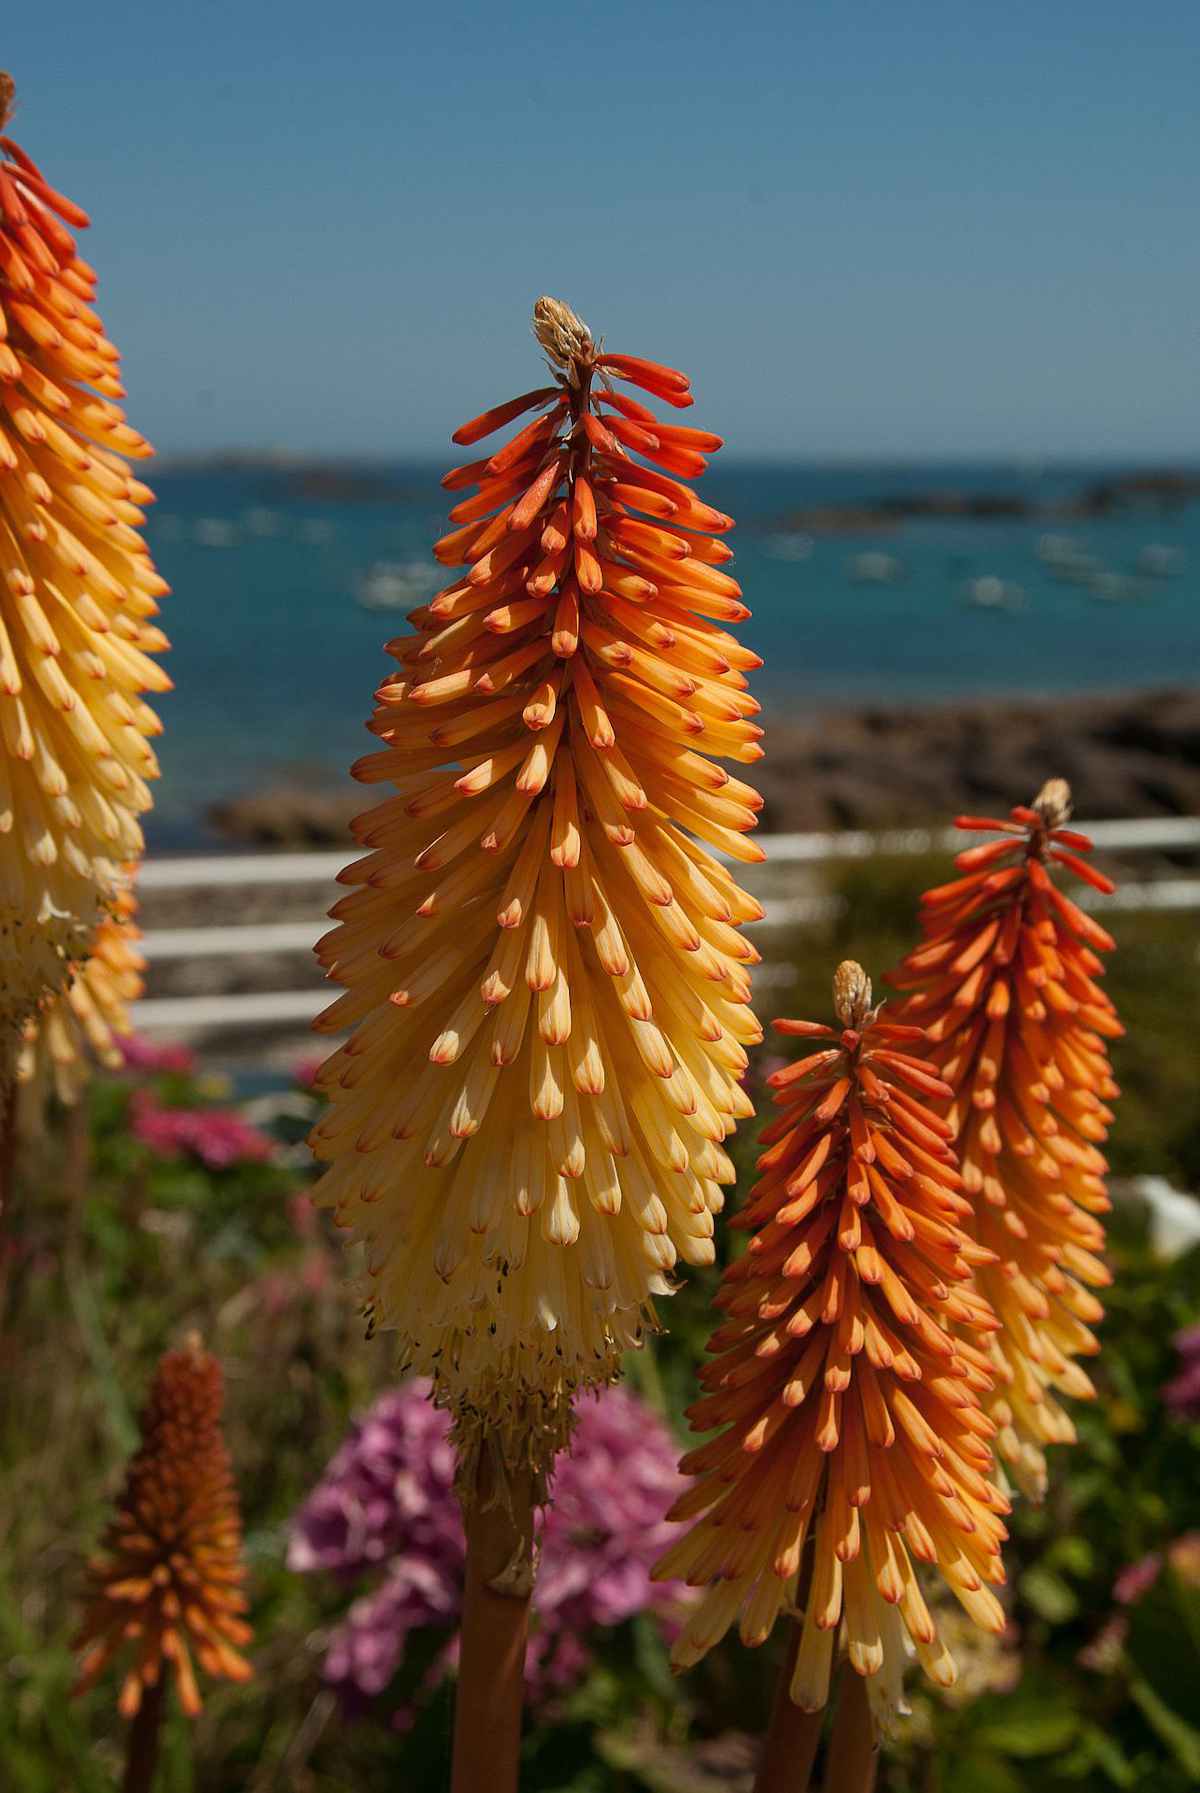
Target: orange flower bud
[167, 1584]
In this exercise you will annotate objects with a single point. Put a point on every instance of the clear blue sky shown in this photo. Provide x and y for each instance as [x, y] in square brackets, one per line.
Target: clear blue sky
[865, 230]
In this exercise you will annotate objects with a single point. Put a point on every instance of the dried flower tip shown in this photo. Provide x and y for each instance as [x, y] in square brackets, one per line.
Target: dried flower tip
[564, 336]
[167, 1582]
[8, 94]
[1053, 802]
[851, 993]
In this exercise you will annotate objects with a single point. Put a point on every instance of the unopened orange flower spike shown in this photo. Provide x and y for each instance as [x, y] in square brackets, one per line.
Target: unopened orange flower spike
[846, 1380]
[165, 1592]
[1005, 985]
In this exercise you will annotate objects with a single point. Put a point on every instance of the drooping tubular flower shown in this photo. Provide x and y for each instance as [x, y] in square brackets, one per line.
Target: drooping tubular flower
[846, 1378]
[1005, 985]
[168, 1581]
[541, 958]
[84, 1024]
[77, 592]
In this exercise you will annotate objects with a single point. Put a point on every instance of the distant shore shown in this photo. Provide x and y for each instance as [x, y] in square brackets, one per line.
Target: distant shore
[1147, 489]
[875, 765]
[1155, 491]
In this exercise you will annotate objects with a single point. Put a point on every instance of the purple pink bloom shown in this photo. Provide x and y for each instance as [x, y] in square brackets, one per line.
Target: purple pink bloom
[386, 1502]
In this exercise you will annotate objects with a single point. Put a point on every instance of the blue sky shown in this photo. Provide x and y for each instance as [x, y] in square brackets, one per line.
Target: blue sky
[867, 231]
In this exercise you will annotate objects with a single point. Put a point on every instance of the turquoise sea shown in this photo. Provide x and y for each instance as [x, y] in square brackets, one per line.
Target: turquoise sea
[275, 655]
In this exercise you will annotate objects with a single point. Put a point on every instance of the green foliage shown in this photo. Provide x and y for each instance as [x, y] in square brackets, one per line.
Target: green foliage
[112, 1254]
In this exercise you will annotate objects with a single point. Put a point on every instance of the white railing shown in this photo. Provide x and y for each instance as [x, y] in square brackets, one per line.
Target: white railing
[211, 871]
[277, 1007]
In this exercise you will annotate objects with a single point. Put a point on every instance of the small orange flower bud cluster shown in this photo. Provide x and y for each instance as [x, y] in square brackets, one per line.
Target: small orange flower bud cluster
[1005, 985]
[168, 1581]
[847, 1377]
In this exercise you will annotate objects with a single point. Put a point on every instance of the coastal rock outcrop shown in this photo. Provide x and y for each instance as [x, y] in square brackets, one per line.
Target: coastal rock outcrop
[880, 766]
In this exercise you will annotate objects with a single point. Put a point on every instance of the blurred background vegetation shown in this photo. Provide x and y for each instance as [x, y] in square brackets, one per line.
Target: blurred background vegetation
[111, 1252]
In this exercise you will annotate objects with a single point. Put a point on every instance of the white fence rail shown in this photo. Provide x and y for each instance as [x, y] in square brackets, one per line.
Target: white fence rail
[280, 1007]
[211, 871]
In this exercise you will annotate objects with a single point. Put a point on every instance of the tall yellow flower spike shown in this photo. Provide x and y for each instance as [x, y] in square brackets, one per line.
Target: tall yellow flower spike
[543, 969]
[1005, 984]
[846, 1379]
[77, 591]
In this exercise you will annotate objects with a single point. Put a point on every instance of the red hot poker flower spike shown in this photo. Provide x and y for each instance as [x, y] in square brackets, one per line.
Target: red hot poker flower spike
[541, 955]
[1005, 984]
[78, 598]
[846, 1378]
[167, 1583]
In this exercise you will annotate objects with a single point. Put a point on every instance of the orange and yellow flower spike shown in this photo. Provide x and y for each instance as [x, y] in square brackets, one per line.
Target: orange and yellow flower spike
[83, 1025]
[542, 962]
[167, 1584]
[77, 595]
[1005, 984]
[846, 1378]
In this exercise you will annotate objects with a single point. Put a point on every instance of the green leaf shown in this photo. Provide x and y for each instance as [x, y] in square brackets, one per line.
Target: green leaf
[1049, 1595]
[981, 1774]
[1164, 1641]
[1029, 1728]
[652, 1659]
[1073, 1555]
[1181, 1738]
[1108, 1756]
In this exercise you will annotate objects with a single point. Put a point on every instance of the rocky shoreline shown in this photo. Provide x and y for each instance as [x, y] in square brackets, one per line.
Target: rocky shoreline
[882, 766]
[1156, 492]
[876, 765]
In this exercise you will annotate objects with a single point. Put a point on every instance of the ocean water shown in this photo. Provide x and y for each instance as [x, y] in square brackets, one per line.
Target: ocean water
[275, 657]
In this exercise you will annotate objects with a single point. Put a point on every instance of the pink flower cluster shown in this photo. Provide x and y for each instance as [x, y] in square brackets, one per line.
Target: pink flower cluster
[1182, 1555]
[151, 1059]
[386, 1502]
[218, 1137]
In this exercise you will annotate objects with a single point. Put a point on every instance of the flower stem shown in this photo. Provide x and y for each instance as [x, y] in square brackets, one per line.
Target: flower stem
[853, 1758]
[792, 1736]
[491, 1673]
[141, 1758]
